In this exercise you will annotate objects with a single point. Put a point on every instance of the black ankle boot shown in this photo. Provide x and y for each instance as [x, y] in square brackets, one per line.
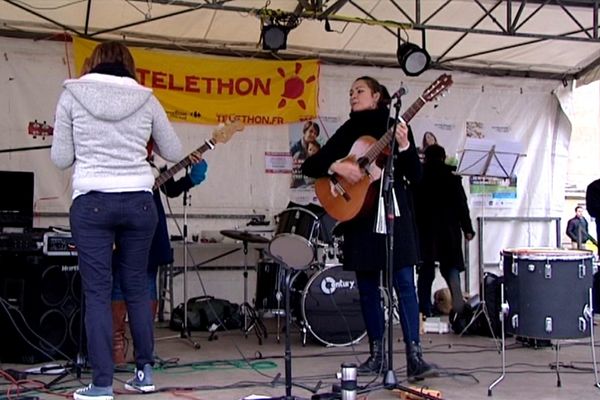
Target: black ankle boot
[416, 368]
[376, 361]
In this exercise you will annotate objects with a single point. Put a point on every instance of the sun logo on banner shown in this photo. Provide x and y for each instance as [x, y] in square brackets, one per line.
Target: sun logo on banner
[294, 87]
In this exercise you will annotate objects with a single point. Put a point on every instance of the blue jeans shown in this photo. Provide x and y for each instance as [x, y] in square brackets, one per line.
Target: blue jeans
[370, 300]
[151, 276]
[127, 221]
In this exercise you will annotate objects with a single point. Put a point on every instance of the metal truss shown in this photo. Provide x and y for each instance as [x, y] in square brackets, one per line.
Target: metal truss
[517, 19]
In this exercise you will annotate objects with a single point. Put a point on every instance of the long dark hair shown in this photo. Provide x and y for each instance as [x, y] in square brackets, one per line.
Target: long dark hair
[384, 96]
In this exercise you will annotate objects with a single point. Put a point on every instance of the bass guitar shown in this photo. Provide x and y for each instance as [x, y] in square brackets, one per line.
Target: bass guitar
[343, 200]
[219, 135]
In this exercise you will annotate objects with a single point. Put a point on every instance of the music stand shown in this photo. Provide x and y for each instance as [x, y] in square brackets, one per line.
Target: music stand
[485, 158]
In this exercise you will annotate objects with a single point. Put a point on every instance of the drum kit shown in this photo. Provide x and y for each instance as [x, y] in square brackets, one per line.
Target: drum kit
[323, 298]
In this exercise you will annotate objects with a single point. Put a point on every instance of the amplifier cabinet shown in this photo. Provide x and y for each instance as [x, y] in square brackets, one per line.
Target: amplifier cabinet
[40, 312]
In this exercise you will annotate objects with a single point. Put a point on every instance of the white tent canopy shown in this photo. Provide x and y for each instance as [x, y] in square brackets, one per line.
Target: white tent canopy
[555, 39]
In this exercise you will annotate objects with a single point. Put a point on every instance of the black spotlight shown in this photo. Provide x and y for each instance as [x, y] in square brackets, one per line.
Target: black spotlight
[413, 59]
[274, 37]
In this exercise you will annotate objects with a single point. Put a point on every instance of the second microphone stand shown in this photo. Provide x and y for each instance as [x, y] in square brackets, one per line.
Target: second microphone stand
[185, 329]
[391, 211]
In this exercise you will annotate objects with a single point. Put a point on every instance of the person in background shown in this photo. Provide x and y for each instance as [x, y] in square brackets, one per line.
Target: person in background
[428, 139]
[365, 250]
[160, 253]
[442, 213]
[577, 229]
[103, 121]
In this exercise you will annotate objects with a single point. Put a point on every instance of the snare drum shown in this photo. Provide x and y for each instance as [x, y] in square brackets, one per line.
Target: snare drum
[547, 291]
[294, 240]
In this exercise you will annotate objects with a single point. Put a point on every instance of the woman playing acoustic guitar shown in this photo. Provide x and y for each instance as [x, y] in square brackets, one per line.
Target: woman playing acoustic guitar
[364, 250]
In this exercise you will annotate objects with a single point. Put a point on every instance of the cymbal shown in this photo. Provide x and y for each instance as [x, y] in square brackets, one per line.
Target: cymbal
[244, 236]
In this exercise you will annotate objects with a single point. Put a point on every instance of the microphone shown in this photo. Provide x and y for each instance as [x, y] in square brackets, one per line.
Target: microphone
[400, 92]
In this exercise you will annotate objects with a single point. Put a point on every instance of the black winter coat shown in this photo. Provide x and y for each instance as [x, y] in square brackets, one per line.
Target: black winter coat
[363, 249]
[442, 212]
[592, 203]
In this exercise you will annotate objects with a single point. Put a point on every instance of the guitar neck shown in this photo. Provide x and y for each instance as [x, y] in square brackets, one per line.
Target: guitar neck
[168, 174]
[385, 140]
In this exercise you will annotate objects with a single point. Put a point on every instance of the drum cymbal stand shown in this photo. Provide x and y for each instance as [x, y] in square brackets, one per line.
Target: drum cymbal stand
[251, 318]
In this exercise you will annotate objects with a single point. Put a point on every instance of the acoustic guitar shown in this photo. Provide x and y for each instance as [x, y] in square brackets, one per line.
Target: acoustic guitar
[343, 200]
[219, 135]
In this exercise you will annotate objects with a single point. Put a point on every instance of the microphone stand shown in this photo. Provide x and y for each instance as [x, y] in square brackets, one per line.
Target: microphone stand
[185, 329]
[389, 197]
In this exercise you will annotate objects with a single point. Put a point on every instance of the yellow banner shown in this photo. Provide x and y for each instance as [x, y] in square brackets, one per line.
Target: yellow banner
[213, 90]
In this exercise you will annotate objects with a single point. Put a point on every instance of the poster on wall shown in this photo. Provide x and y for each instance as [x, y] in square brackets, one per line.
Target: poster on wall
[307, 138]
[489, 191]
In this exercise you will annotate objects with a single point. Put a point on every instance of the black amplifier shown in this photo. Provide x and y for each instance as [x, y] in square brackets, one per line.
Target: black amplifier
[20, 242]
[59, 244]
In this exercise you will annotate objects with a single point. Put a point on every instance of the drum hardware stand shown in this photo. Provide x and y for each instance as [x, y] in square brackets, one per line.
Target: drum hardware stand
[504, 309]
[482, 306]
[251, 318]
[587, 314]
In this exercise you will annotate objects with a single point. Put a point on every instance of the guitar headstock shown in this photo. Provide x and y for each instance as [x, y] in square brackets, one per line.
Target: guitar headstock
[225, 132]
[438, 87]
[35, 129]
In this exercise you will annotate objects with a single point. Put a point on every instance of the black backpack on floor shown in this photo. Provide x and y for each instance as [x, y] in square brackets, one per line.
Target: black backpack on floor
[480, 325]
[206, 313]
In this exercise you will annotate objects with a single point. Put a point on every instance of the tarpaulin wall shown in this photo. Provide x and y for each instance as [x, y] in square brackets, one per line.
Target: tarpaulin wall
[525, 111]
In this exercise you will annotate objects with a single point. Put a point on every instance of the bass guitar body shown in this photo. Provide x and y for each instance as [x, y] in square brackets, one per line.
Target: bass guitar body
[343, 200]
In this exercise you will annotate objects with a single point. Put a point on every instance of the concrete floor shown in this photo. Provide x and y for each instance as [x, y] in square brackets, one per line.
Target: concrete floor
[234, 367]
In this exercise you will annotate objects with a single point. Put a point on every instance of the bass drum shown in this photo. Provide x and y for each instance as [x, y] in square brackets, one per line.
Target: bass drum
[330, 307]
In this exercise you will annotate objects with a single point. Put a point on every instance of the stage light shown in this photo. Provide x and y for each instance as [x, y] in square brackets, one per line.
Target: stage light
[274, 37]
[413, 59]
